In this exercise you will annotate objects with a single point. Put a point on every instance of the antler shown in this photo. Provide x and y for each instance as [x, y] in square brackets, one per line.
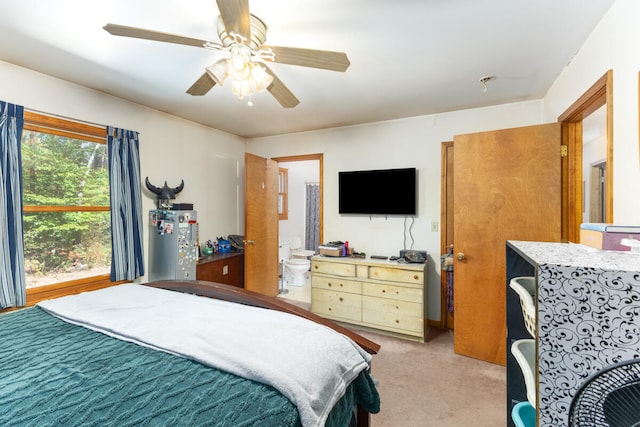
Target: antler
[178, 188]
[166, 192]
[152, 187]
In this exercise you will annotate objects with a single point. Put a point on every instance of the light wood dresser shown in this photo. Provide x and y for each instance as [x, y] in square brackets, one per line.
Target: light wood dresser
[384, 295]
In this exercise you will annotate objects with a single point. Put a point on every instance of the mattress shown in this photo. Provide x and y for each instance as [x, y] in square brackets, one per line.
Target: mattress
[54, 373]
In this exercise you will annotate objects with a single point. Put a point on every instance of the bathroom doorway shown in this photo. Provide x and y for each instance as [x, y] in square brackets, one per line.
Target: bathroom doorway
[304, 220]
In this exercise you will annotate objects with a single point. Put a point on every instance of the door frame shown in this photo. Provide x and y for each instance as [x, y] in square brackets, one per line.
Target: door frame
[303, 157]
[446, 224]
[599, 94]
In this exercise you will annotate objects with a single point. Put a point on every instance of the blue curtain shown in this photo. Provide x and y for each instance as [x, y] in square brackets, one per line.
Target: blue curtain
[312, 215]
[13, 291]
[127, 259]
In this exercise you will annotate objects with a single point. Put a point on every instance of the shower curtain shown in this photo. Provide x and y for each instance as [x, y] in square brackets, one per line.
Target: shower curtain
[312, 215]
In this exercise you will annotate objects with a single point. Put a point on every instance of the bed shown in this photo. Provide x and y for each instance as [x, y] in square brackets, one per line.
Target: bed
[181, 353]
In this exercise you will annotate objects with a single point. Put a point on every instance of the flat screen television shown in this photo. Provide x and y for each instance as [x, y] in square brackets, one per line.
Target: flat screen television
[377, 192]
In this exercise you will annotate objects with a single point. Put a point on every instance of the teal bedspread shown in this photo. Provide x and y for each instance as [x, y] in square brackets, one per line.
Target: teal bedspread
[53, 373]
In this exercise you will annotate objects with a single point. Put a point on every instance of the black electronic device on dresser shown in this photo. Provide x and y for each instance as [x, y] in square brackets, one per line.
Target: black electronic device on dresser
[413, 256]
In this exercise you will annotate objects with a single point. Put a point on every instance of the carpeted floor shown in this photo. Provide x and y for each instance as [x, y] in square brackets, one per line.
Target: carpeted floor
[428, 385]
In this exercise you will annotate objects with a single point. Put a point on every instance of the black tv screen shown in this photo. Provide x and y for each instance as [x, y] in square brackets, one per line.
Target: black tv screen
[383, 192]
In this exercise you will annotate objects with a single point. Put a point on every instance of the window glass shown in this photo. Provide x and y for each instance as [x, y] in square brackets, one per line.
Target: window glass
[67, 234]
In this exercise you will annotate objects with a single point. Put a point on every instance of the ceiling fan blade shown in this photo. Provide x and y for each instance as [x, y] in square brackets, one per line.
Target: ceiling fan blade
[325, 59]
[280, 92]
[235, 15]
[141, 33]
[202, 85]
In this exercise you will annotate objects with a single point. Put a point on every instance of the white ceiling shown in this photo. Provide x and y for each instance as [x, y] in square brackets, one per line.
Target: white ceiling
[408, 57]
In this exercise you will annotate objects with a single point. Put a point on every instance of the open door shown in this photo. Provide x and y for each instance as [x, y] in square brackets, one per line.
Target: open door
[507, 187]
[261, 225]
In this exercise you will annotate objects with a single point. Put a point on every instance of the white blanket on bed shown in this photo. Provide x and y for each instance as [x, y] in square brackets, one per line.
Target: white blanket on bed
[308, 363]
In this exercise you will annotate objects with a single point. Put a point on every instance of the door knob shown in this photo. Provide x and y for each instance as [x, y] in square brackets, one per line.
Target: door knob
[248, 242]
[460, 256]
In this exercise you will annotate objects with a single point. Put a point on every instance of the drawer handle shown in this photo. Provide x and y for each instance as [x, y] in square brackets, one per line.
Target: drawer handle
[416, 277]
[397, 321]
[329, 284]
[315, 266]
[384, 291]
[341, 285]
[340, 299]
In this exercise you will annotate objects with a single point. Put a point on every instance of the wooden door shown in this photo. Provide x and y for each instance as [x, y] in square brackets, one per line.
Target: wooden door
[507, 187]
[261, 225]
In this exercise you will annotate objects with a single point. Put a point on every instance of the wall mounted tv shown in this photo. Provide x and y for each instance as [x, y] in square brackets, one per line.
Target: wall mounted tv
[381, 192]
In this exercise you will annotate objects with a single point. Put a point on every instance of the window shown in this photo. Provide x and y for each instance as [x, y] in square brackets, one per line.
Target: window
[283, 185]
[67, 232]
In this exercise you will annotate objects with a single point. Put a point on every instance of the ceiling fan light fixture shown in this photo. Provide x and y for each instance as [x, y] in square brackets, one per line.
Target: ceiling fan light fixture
[218, 71]
[260, 77]
[239, 65]
[242, 88]
[257, 81]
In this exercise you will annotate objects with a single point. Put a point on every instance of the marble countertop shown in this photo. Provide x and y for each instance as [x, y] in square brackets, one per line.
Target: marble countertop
[572, 254]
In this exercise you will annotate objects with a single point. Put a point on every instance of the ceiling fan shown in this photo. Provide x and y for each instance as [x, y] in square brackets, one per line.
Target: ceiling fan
[243, 55]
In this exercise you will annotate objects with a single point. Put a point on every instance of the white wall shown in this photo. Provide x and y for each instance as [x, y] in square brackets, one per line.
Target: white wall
[211, 162]
[414, 142]
[612, 45]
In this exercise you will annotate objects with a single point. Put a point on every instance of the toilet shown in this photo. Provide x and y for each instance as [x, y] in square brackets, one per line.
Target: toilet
[295, 261]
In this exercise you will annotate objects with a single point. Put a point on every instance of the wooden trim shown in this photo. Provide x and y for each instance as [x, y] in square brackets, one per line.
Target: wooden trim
[594, 98]
[610, 159]
[572, 137]
[43, 208]
[255, 299]
[298, 158]
[68, 128]
[599, 94]
[41, 293]
[53, 124]
[70, 135]
[430, 323]
[445, 239]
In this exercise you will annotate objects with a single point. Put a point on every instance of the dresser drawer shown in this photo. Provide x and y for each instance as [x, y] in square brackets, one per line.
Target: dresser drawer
[336, 304]
[335, 268]
[385, 305]
[400, 293]
[336, 284]
[396, 275]
[400, 315]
